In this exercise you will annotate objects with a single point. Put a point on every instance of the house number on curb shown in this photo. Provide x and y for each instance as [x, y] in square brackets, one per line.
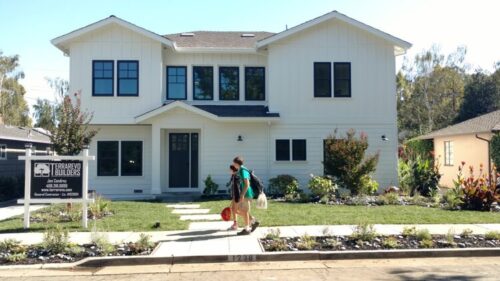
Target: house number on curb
[242, 258]
[56, 179]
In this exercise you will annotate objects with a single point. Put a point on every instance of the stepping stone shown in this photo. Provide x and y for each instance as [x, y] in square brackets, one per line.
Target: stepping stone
[213, 217]
[190, 211]
[184, 206]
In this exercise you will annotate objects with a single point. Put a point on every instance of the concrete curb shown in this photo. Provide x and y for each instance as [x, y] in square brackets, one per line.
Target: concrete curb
[268, 257]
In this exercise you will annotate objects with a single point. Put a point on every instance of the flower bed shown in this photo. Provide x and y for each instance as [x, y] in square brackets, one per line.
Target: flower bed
[366, 241]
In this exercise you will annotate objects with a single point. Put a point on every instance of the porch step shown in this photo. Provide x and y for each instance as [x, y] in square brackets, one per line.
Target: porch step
[190, 211]
[212, 217]
[184, 206]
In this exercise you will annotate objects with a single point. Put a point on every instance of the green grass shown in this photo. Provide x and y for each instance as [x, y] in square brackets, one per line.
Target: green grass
[283, 214]
[128, 216]
[140, 216]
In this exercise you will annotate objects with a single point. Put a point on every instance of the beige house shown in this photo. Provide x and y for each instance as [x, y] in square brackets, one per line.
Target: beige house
[466, 141]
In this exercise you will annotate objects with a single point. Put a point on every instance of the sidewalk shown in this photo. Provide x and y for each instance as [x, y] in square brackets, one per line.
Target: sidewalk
[12, 211]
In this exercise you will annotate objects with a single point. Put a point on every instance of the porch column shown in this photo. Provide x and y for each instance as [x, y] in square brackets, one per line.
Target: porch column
[156, 160]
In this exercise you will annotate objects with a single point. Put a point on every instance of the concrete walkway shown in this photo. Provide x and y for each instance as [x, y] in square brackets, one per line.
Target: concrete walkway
[12, 211]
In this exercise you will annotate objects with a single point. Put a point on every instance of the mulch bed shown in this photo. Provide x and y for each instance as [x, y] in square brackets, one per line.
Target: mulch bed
[345, 243]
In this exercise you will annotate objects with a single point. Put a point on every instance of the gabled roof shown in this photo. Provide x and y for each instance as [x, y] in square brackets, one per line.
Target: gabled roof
[23, 134]
[217, 39]
[62, 41]
[215, 112]
[400, 46]
[482, 124]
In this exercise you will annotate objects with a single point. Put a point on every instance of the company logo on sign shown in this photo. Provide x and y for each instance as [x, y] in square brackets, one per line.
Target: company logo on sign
[42, 170]
[45, 170]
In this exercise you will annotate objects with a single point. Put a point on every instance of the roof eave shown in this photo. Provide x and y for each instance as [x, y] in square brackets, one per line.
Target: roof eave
[61, 41]
[252, 50]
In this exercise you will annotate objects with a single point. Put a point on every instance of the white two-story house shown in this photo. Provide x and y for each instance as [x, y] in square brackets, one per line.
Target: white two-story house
[173, 109]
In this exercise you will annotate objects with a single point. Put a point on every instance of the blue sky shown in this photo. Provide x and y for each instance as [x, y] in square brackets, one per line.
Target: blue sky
[26, 27]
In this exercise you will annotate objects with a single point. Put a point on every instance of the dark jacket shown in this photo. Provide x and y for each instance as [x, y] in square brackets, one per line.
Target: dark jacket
[235, 187]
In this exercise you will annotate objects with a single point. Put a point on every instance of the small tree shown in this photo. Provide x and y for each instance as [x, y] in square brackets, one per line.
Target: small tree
[345, 160]
[72, 132]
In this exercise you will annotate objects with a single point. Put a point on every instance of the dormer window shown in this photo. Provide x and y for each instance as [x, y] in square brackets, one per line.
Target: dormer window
[187, 34]
[248, 35]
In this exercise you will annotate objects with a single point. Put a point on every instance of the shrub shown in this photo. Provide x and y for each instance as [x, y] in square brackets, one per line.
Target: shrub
[478, 193]
[390, 243]
[102, 243]
[273, 234]
[278, 245]
[306, 242]
[427, 243]
[368, 185]
[99, 207]
[424, 177]
[391, 198]
[346, 161]
[12, 246]
[492, 235]
[423, 234]
[16, 257]
[283, 185]
[423, 148]
[321, 186]
[55, 239]
[364, 232]
[210, 186]
[467, 232]
[453, 198]
[495, 150]
[404, 175]
[144, 243]
[409, 231]
[343, 193]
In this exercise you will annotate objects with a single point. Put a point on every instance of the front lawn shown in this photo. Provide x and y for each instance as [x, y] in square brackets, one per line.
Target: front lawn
[141, 216]
[284, 214]
[127, 216]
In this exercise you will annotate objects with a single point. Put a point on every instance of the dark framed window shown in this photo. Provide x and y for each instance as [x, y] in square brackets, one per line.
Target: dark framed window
[203, 83]
[342, 79]
[128, 78]
[131, 158]
[3, 152]
[102, 78]
[229, 83]
[255, 85]
[299, 149]
[107, 158]
[282, 150]
[176, 82]
[322, 80]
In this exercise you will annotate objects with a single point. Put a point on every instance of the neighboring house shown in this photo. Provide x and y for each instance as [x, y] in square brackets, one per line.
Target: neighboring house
[12, 142]
[465, 141]
[173, 109]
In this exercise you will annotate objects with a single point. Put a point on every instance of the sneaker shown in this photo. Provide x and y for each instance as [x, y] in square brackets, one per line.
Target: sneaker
[255, 224]
[244, 232]
[233, 227]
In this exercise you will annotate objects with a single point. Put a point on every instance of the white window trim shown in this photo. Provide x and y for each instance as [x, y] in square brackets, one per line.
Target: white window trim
[448, 153]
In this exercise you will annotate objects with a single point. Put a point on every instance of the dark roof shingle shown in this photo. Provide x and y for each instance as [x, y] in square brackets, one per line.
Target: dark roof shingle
[22, 134]
[481, 124]
[218, 39]
[238, 110]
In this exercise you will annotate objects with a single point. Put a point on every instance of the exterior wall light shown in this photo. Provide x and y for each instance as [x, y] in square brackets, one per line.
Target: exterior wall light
[384, 138]
[240, 138]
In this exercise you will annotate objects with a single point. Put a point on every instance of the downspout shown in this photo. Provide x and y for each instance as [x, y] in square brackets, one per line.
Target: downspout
[489, 156]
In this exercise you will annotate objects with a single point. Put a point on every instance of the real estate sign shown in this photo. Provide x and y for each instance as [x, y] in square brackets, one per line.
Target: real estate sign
[56, 179]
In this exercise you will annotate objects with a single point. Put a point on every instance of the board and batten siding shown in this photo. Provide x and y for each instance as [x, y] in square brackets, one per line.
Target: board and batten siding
[216, 60]
[371, 109]
[121, 185]
[116, 43]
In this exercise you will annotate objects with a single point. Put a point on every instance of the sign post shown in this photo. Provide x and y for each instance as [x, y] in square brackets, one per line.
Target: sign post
[56, 179]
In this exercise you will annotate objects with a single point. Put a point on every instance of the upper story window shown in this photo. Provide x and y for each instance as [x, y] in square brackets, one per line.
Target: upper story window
[128, 78]
[255, 87]
[448, 153]
[3, 152]
[102, 77]
[229, 83]
[342, 79]
[322, 79]
[176, 83]
[203, 83]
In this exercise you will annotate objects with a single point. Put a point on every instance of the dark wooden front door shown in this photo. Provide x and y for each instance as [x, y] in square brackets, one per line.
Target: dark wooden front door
[183, 160]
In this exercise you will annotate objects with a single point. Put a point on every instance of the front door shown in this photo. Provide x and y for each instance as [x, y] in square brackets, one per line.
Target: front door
[183, 160]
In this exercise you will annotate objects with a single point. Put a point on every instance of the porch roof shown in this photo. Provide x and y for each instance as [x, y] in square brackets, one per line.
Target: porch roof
[216, 112]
